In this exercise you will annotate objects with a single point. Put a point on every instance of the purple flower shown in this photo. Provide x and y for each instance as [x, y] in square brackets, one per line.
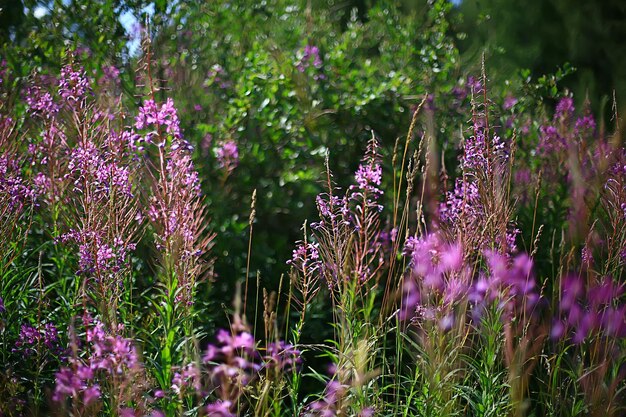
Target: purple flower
[233, 356]
[474, 84]
[205, 145]
[509, 283]
[438, 282]
[585, 125]
[368, 178]
[110, 75]
[220, 409]
[73, 84]
[187, 377]
[592, 311]
[40, 102]
[509, 102]
[550, 141]
[32, 340]
[463, 201]
[367, 412]
[310, 55]
[108, 356]
[328, 406]
[96, 256]
[282, 356]
[165, 116]
[306, 258]
[91, 394]
[15, 192]
[227, 155]
[564, 109]
[126, 412]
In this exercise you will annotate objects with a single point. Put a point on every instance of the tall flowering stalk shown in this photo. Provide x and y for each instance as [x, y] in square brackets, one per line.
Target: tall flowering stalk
[346, 253]
[478, 210]
[98, 168]
[589, 329]
[176, 214]
[17, 193]
[175, 207]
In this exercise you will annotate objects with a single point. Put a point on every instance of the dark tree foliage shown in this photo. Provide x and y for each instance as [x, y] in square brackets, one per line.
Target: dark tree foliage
[543, 35]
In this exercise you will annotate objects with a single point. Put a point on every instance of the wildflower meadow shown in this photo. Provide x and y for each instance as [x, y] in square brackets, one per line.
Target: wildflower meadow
[296, 208]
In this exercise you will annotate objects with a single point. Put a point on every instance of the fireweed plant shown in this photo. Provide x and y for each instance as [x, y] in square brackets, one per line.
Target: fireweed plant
[493, 288]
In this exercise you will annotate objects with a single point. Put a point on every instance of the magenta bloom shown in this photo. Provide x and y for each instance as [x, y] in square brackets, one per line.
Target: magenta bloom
[73, 84]
[107, 356]
[509, 102]
[227, 154]
[564, 109]
[220, 409]
[590, 311]
[310, 56]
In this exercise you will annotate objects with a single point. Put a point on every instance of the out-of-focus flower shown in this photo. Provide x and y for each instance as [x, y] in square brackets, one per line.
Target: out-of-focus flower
[564, 109]
[107, 356]
[227, 154]
[509, 102]
[590, 311]
[311, 55]
[220, 409]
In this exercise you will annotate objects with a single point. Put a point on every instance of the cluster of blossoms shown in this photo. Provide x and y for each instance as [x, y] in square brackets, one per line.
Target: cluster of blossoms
[588, 310]
[231, 364]
[40, 101]
[227, 154]
[311, 56]
[439, 280]
[471, 86]
[462, 202]
[509, 102]
[109, 357]
[483, 155]
[97, 255]
[174, 215]
[151, 116]
[110, 75]
[217, 75]
[556, 137]
[483, 162]
[509, 283]
[306, 258]
[32, 339]
[205, 144]
[90, 167]
[332, 209]
[15, 192]
[233, 359]
[333, 404]
[354, 214]
[368, 177]
[363, 195]
[175, 204]
[73, 84]
[179, 167]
